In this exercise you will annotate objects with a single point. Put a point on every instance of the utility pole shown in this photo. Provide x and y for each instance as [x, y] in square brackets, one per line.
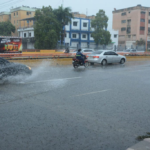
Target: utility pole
[62, 2]
[147, 29]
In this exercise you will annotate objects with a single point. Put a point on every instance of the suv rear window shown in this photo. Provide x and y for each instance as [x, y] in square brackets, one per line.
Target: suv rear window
[87, 50]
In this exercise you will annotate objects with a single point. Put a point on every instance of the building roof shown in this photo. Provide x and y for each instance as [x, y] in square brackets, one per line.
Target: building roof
[131, 8]
[26, 8]
[4, 13]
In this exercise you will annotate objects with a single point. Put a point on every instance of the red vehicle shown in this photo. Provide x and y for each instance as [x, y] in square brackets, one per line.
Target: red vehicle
[9, 44]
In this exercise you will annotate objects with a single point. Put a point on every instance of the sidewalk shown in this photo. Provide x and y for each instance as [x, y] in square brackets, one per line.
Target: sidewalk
[143, 145]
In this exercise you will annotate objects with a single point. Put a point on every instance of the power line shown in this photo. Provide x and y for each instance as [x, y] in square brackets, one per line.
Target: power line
[6, 2]
[5, 6]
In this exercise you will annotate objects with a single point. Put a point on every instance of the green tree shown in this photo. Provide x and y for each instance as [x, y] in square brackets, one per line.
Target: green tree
[64, 16]
[46, 29]
[100, 35]
[6, 28]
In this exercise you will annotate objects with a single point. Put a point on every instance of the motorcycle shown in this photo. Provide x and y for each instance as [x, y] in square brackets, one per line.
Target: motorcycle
[76, 62]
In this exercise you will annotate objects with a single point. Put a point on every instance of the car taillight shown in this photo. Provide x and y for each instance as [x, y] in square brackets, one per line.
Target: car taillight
[95, 56]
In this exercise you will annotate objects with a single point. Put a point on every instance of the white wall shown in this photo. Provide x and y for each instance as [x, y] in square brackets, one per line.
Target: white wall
[92, 29]
[91, 38]
[67, 27]
[27, 31]
[84, 44]
[78, 24]
[114, 32]
[67, 35]
[74, 44]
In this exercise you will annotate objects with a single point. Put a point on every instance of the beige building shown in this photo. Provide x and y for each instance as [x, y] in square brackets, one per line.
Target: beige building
[20, 13]
[133, 24]
[4, 16]
[78, 15]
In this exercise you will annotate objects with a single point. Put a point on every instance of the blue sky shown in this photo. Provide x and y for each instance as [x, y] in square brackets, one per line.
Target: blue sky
[91, 7]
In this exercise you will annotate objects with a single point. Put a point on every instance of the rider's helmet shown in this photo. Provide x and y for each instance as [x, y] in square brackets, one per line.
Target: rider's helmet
[79, 50]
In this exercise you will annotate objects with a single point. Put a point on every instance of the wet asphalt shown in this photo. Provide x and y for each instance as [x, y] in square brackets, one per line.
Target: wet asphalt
[62, 108]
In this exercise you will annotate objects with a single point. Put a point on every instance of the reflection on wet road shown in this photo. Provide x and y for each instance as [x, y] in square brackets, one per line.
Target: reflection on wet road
[62, 108]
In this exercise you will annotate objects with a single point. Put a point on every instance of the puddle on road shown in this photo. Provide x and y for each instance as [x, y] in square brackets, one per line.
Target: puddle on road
[37, 72]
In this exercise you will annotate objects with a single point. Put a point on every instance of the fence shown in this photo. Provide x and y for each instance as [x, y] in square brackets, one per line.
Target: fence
[104, 47]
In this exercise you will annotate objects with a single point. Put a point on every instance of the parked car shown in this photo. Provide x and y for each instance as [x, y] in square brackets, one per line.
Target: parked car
[131, 50]
[105, 57]
[11, 69]
[84, 51]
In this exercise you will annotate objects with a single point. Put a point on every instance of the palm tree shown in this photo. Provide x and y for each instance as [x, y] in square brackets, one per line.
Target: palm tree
[64, 16]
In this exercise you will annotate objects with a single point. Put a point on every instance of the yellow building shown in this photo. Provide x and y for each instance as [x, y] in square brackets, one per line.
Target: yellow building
[4, 16]
[20, 13]
[78, 15]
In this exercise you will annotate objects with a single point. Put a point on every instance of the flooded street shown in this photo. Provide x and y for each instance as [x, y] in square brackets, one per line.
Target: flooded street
[62, 108]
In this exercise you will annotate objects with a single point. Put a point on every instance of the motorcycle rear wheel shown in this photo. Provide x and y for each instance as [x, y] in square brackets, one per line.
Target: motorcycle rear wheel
[75, 65]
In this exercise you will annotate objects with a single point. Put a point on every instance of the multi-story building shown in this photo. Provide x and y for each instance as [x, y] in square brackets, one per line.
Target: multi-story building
[19, 13]
[78, 32]
[5, 16]
[133, 24]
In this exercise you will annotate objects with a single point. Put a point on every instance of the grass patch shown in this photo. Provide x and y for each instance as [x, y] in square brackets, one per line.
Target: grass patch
[140, 138]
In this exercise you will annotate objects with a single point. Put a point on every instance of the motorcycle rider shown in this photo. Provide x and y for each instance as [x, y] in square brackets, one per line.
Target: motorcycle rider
[80, 56]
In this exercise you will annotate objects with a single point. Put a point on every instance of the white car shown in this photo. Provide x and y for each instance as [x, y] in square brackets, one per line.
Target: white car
[105, 57]
[84, 51]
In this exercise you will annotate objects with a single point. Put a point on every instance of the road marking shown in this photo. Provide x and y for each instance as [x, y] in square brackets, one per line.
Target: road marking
[92, 93]
[51, 80]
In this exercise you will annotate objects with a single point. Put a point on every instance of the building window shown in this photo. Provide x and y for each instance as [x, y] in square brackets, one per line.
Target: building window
[128, 30]
[24, 34]
[28, 13]
[115, 35]
[75, 23]
[142, 28]
[74, 35]
[142, 20]
[84, 24]
[148, 21]
[84, 36]
[29, 34]
[149, 13]
[123, 29]
[91, 36]
[148, 30]
[122, 36]
[65, 35]
[123, 21]
[129, 22]
[121, 42]
[142, 12]
[14, 21]
[129, 36]
[123, 14]
[14, 14]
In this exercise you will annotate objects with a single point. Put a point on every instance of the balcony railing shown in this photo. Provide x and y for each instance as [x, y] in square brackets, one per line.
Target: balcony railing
[31, 26]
